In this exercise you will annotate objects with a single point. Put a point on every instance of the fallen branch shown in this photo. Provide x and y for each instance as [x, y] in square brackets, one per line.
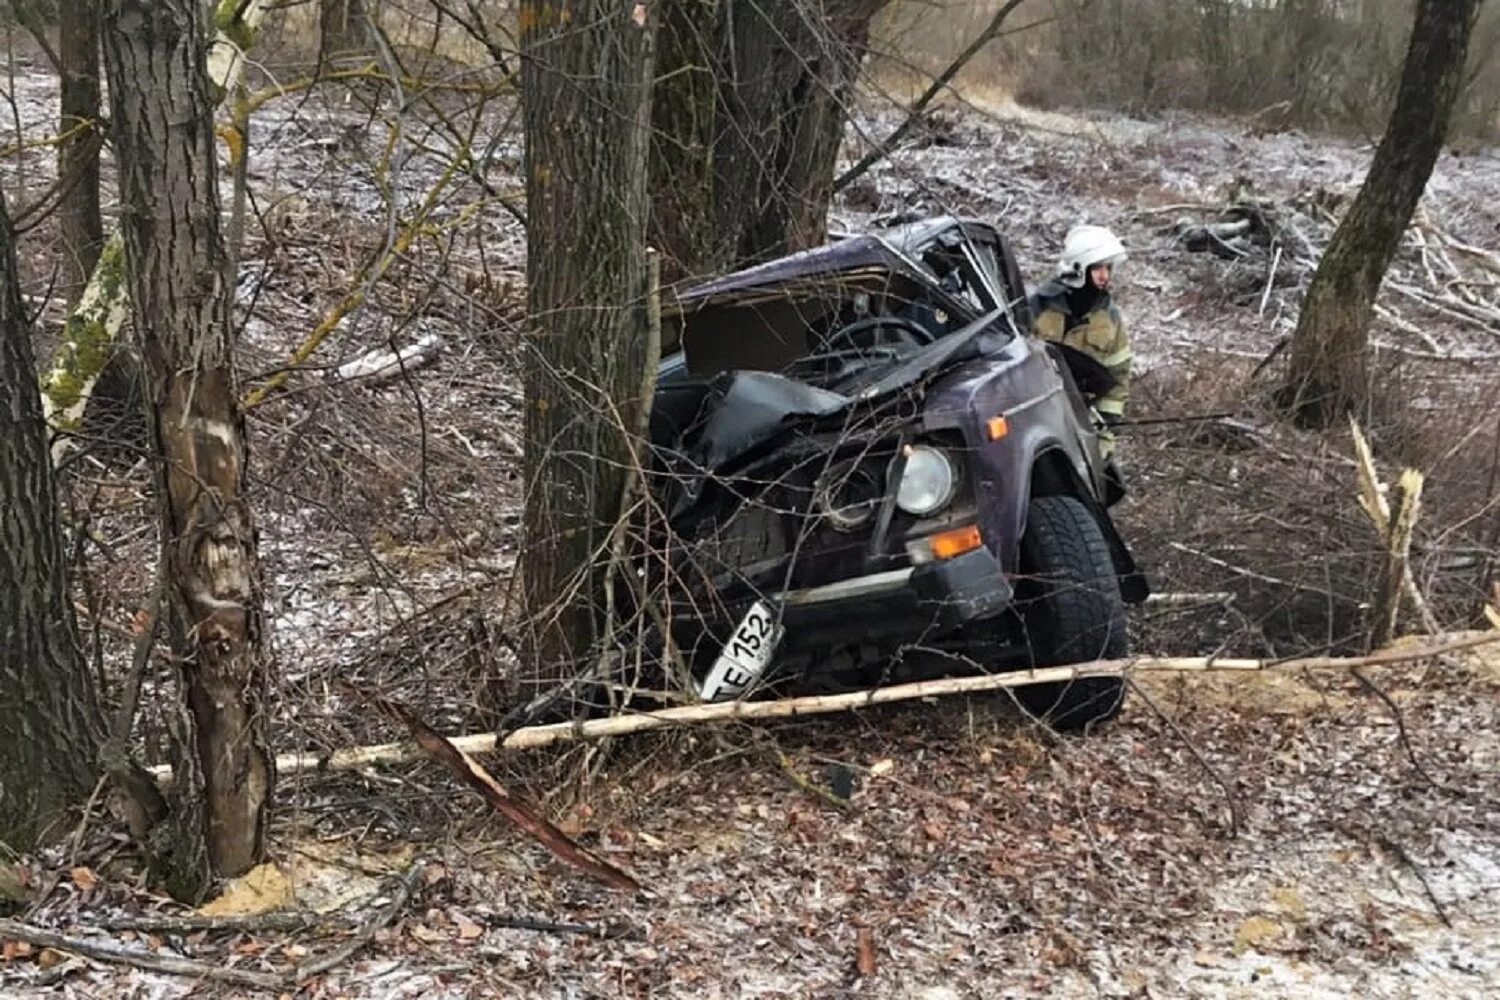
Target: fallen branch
[193, 923]
[1179, 599]
[106, 951]
[377, 366]
[351, 758]
[469, 771]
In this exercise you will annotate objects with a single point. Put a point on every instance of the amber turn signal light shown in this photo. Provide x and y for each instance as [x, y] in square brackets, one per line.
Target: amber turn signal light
[948, 544]
[998, 428]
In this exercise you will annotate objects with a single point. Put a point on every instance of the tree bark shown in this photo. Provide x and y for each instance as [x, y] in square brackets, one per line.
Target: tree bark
[752, 112]
[341, 25]
[79, 223]
[1328, 374]
[48, 707]
[586, 78]
[684, 104]
[180, 289]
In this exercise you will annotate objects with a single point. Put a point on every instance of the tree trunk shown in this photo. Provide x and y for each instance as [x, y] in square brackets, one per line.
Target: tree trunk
[753, 110]
[180, 289]
[1328, 375]
[586, 71]
[341, 25]
[684, 102]
[79, 223]
[48, 707]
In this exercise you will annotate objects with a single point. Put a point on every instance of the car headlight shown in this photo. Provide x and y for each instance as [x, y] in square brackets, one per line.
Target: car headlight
[928, 483]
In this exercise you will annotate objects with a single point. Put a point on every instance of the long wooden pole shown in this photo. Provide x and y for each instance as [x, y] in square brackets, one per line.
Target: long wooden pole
[619, 725]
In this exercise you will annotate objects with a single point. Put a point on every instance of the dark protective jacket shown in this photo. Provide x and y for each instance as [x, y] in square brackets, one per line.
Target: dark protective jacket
[1086, 319]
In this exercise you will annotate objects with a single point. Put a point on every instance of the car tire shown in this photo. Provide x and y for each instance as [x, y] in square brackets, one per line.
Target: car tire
[1071, 611]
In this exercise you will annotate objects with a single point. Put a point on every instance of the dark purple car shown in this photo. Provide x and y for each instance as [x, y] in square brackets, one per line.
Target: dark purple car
[867, 471]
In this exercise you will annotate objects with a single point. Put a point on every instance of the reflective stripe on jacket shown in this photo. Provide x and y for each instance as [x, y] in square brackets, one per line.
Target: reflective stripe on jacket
[1099, 333]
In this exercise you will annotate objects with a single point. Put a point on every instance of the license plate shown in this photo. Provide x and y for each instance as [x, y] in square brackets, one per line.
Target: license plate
[745, 656]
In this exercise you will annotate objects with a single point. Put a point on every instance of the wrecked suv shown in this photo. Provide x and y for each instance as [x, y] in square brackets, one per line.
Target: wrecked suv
[870, 472]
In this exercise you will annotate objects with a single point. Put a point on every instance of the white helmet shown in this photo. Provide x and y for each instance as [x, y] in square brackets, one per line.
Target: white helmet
[1085, 246]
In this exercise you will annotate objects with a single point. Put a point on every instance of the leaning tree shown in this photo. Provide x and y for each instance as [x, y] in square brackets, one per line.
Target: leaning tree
[1328, 374]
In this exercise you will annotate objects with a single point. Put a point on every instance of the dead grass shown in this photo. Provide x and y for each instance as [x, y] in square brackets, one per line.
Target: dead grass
[1268, 513]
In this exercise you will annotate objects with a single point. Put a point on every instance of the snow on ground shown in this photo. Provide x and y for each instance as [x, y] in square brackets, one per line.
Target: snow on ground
[984, 858]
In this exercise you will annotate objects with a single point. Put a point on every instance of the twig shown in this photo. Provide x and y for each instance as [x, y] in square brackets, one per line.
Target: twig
[121, 955]
[1235, 818]
[1177, 599]
[1180, 206]
[604, 932]
[1187, 418]
[1262, 577]
[1407, 326]
[885, 146]
[144, 803]
[1416, 869]
[1411, 753]
[1270, 281]
[404, 890]
[191, 923]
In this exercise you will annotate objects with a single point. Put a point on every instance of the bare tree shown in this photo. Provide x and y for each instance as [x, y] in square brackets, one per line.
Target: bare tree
[180, 290]
[1328, 373]
[79, 223]
[48, 706]
[586, 83]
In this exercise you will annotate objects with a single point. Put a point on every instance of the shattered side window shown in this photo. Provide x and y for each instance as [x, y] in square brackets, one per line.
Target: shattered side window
[990, 263]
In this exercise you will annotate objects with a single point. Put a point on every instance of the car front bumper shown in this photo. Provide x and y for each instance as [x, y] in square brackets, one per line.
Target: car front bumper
[902, 605]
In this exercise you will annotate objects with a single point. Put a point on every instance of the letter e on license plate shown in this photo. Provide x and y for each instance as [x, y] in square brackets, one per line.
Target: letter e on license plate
[745, 656]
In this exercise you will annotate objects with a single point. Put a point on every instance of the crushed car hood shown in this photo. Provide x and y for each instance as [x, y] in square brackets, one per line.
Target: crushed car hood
[752, 408]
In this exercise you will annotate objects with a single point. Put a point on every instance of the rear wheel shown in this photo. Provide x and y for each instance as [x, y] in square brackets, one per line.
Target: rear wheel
[1071, 611]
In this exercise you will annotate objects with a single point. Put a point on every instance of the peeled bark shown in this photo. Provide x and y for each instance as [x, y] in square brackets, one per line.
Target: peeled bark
[48, 707]
[1329, 375]
[180, 288]
[586, 70]
[79, 223]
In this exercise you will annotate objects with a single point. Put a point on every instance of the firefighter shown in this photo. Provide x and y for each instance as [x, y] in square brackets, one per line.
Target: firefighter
[1074, 308]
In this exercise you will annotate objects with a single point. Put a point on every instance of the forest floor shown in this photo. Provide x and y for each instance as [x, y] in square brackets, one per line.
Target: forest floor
[1267, 836]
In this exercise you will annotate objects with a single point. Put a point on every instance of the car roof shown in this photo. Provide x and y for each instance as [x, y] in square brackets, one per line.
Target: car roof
[896, 249]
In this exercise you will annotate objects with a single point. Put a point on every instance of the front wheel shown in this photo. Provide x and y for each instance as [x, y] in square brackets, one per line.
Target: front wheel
[1071, 611]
